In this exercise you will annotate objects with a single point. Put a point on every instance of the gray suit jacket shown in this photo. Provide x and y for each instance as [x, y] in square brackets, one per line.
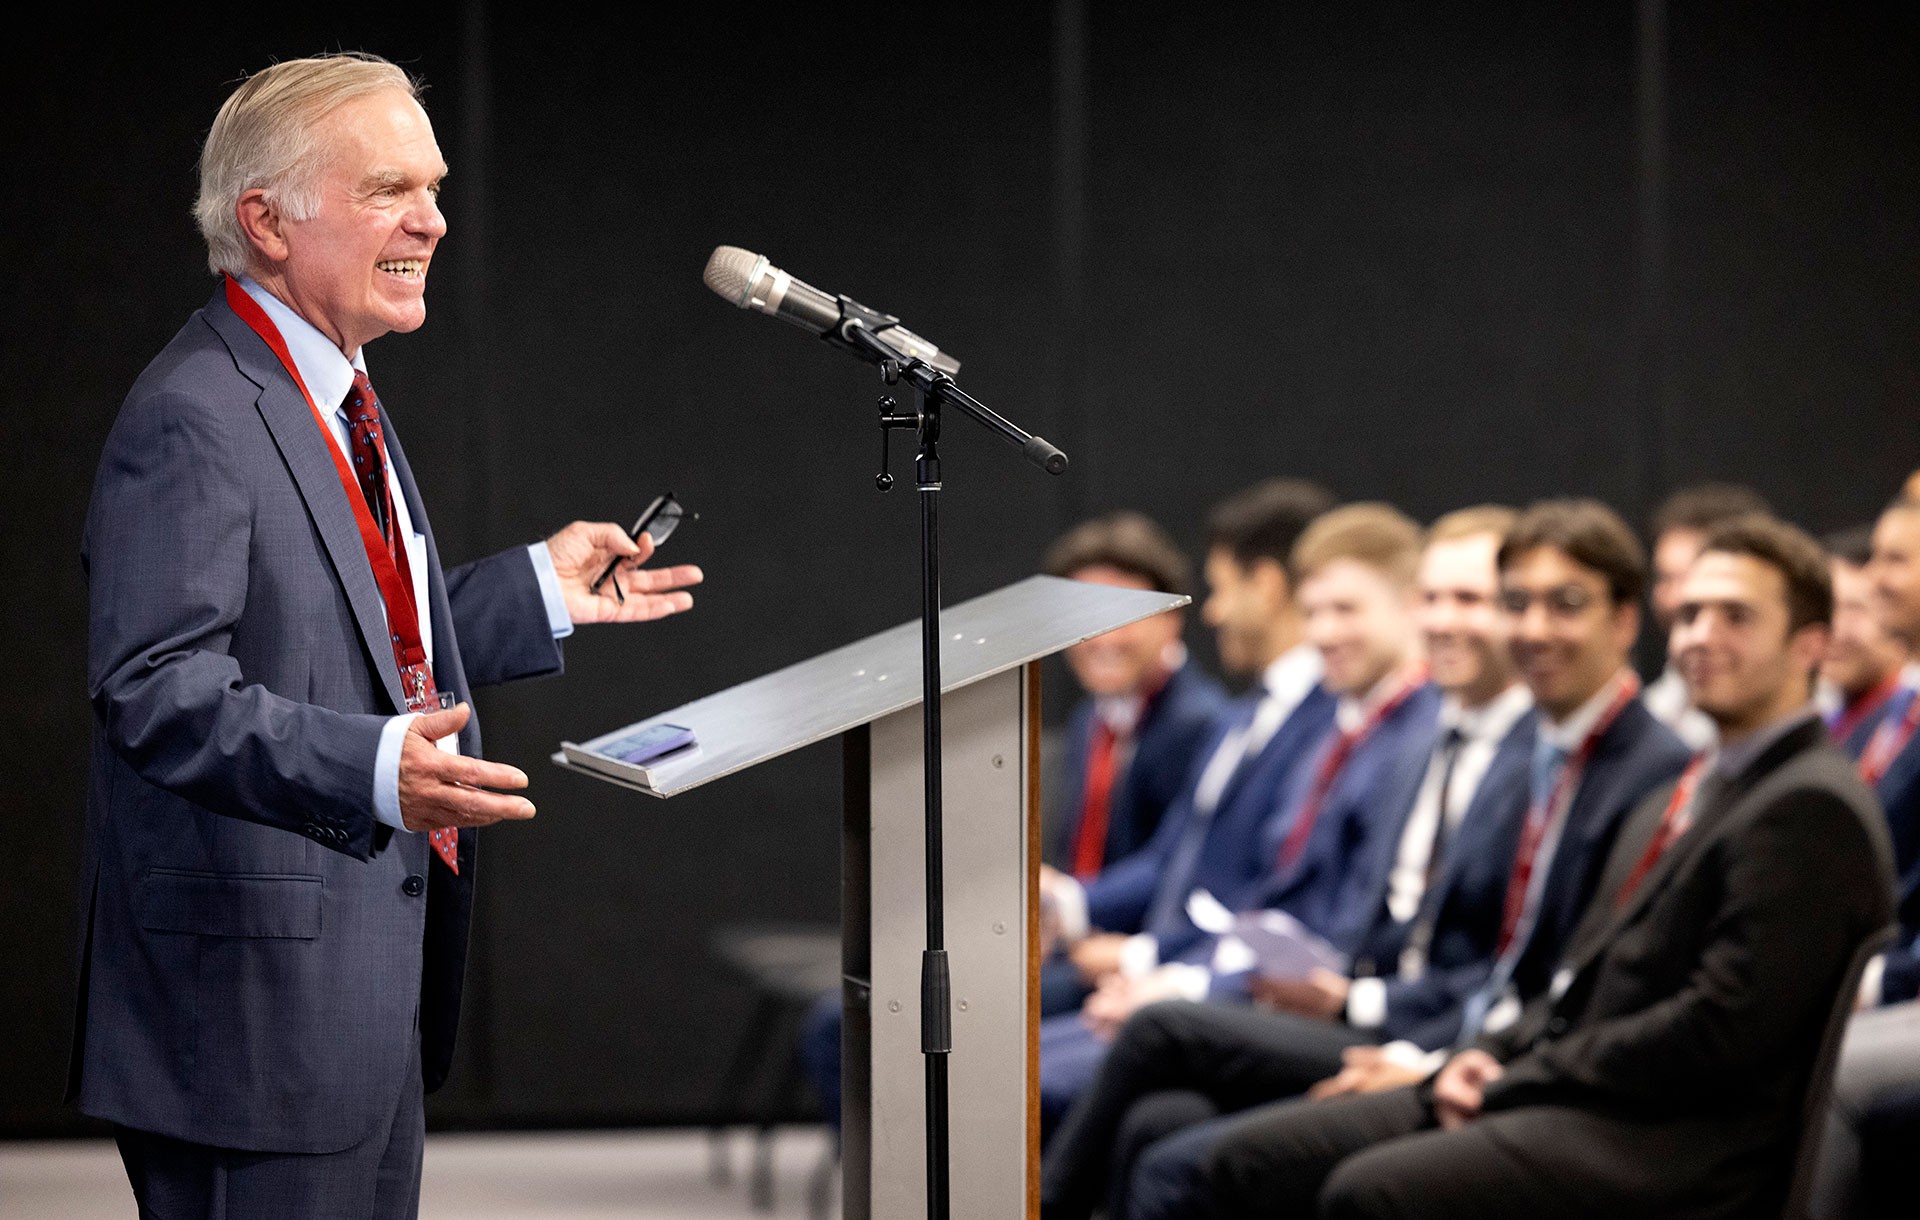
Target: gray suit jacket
[256, 948]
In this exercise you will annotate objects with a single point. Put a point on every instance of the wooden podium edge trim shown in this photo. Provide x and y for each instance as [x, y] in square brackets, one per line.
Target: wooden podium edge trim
[1033, 938]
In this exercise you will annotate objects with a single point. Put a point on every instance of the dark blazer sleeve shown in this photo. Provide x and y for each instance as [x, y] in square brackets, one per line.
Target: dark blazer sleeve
[1784, 925]
[494, 601]
[167, 552]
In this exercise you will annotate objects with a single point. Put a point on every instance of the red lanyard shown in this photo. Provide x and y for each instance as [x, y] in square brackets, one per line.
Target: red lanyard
[1887, 742]
[1336, 758]
[391, 569]
[1849, 718]
[1540, 814]
[1673, 823]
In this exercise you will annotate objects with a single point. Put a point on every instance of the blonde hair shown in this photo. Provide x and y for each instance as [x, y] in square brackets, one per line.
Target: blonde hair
[1495, 519]
[268, 136]
[1376, 534]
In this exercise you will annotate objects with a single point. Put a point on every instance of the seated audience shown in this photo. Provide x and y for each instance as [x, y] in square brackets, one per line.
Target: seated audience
[1664, 1071]
[1576, 574]
[1356, 568]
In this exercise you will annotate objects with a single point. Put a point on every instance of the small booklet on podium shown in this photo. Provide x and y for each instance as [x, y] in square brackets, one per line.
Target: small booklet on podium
[636, 756]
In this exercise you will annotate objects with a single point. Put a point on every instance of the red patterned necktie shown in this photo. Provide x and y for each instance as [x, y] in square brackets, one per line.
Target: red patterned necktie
[368, 444]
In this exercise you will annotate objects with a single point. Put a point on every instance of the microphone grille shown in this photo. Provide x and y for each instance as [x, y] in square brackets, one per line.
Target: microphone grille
[729, 272]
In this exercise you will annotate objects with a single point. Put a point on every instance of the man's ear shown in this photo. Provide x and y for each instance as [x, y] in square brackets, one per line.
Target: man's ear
[263, 224]
[1271, 580]
[1808, 646]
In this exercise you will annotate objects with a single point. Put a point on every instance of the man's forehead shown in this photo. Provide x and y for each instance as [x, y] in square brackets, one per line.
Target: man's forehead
[1556, 566]
[1722, 576]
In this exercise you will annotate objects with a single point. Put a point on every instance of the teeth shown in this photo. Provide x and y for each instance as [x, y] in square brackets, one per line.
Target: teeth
[403, 266]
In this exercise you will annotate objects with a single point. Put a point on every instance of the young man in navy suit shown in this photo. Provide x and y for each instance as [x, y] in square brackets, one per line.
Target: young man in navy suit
[286, 776]
[1356, 568]
[1210, 835]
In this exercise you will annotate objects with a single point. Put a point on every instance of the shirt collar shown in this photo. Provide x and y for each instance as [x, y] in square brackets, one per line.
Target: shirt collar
[328, 374]
[1292, 674]
[1571, 732]
[1492, 719]
[1351, 712]
[1910, 675]
[1733, 761]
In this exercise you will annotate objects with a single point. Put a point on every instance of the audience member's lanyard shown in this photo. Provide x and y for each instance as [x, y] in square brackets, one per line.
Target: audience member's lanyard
[1543, 816]
[1888, 740]
[1676, 821]
[390, 568]
[1336, 759]
[1850, 717]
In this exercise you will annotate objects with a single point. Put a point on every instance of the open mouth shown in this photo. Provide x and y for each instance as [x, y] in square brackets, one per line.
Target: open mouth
[405, 268]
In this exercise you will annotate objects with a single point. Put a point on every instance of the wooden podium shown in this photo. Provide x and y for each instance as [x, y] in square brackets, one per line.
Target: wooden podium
[868, 694]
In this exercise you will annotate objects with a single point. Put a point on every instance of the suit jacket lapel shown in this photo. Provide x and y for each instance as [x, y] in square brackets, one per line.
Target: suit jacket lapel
[309, 458]
[1715, 801]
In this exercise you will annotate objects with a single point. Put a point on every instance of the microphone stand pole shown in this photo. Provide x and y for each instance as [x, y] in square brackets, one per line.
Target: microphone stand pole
[931, 390]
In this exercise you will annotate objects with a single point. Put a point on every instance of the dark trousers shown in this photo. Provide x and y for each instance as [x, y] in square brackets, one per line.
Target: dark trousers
[1192, 1061]
[376, 1179]
[1382, 1156]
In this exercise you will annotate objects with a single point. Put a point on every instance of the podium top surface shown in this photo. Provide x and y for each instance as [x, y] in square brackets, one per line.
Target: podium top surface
[863, 681]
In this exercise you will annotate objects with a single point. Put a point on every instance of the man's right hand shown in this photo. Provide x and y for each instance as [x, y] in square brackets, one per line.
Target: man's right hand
[1098, 956]
[438, 789]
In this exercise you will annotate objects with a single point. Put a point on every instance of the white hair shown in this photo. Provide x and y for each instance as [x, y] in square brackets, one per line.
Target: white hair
[268, 136]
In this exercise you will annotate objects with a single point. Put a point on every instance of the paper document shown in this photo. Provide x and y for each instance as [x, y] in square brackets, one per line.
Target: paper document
[1272, 944]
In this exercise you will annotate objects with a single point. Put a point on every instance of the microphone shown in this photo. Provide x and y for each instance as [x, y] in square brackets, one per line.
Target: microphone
[751, 282]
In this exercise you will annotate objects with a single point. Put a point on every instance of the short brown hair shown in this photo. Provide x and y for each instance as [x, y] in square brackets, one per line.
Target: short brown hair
[1376, 534]
[1590, 534]
[1789, 551]
[1130, 541]
[1706, 505]
[1265, 520]
[1852, 546]
[1495, 519]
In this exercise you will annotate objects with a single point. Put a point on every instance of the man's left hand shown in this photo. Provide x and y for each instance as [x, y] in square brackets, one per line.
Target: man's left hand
[1462, 1087]
[582, 550]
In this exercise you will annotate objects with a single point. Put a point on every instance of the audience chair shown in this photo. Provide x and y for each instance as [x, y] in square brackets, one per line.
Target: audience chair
[786, 966]
[1819, 1095]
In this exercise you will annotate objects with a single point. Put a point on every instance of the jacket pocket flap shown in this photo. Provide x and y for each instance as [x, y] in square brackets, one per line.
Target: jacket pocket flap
[285, 906]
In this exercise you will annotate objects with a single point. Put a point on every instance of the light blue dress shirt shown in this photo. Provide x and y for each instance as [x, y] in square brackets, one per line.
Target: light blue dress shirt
[328, 376]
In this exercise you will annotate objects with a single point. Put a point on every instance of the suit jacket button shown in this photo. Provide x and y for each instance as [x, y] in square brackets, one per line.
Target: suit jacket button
[413, 886]
[1556, 1027]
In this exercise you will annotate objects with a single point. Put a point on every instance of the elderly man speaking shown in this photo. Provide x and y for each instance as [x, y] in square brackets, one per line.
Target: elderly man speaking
[286, 776]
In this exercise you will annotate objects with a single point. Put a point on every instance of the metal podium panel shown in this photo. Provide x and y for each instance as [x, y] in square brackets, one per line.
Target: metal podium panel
[984, 764]
[880, 675]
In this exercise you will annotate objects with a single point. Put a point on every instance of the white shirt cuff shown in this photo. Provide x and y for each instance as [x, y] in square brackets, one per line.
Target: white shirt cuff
[1367, 1003]
[1187, 981]
[1070, 903]
[386, 772]
[1870, 980]
[1409, 1055]
[1139, 955]
[557, 617]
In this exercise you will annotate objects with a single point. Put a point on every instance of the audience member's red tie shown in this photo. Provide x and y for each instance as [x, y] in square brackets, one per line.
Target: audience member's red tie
[368, 445]
[1090, 843]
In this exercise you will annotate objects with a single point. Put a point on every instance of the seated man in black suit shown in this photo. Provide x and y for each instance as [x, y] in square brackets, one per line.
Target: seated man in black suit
[1175, 1065]
[1664, 1071]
